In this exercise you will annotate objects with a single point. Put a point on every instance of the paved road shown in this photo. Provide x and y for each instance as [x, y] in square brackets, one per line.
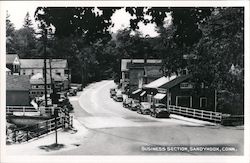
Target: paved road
[114, 130]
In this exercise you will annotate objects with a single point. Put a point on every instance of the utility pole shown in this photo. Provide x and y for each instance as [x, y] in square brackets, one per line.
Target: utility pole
[45, 68]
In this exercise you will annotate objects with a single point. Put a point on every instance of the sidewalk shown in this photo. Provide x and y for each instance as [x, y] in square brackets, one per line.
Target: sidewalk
[44, 145]
[201, 122]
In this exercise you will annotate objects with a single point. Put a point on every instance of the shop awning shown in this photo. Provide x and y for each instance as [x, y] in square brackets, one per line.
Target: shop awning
[143, 93]
[137, 91]
[159, 82]
[159, 96]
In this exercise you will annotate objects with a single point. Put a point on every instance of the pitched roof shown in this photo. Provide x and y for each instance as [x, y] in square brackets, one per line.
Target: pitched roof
[38, 79]
[10, 58]
[124, 62]
[39, 63]
[175, 81]
[159, 82]
[17, 83]
[7, 70]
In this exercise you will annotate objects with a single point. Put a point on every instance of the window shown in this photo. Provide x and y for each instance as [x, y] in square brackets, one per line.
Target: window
[66, 71]
[184, 72]
[203, 102]
[184, 101]
[186, 85]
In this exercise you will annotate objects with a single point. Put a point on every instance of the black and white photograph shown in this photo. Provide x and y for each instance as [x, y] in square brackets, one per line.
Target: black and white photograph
[133, 79]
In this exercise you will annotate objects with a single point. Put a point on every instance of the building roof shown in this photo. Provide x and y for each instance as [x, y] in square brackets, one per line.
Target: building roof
[10, 58]
[17, 83]
[175, 81]
[39, 63]
[124, 62]
[38, 79]
[7, 70]
[159, 82]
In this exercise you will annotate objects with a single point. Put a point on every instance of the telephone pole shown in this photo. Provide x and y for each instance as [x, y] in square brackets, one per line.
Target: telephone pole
[45, 67]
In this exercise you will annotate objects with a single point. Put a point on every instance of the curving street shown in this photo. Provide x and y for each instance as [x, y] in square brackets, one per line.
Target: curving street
[114, 130]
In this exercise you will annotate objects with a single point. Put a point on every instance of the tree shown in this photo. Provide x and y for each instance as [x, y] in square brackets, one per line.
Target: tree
[27, 21]
[10, 29]
[25, 42]
[220, 52]
[90, 22]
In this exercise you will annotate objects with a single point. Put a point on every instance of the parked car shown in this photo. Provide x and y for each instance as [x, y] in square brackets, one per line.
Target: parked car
[159, 110]
[72, 92]
[135, 105]
[118, 98]
[112, 92]
[144, 108]
[42, 102]
[127, 103]
[76, 86]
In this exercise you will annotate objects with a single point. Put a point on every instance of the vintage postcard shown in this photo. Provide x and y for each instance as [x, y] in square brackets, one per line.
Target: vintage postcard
[124, 81]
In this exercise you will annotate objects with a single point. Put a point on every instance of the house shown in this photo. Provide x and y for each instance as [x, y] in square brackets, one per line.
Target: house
[142, 73]
[17, 90]
[33, 66]
[37, 85]
[8, 71]
[179, 91]
[125, 69]
[13, 63]
[59, 70]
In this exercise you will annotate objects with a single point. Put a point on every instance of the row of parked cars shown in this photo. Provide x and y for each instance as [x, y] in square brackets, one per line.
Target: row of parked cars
[157, 110]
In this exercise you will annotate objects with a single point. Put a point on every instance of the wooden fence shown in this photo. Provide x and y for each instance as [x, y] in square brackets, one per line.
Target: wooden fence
[24, 110]
[42, 128]
[62, 120]
[199, 114]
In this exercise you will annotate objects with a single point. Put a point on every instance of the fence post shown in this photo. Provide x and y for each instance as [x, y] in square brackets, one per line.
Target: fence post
[38, 132]
[211, 115]
[23, 110]
[15, 135]
[202, 114]
[71, 121]
[47, 127]
[27, 135]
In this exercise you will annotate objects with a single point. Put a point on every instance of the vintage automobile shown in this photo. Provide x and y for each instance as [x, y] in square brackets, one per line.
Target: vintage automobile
[118, 98]
[159, 110]
[144, 108]
[127, 103]
[112, 92]
[72, 92]
[135, 105]
[76, 86]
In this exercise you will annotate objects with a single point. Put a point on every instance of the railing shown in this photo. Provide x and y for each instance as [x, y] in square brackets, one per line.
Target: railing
[27, 133]
[28, 109]
[200, 114]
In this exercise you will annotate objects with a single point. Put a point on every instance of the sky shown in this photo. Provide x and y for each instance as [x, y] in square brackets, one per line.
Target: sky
[120, 18]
